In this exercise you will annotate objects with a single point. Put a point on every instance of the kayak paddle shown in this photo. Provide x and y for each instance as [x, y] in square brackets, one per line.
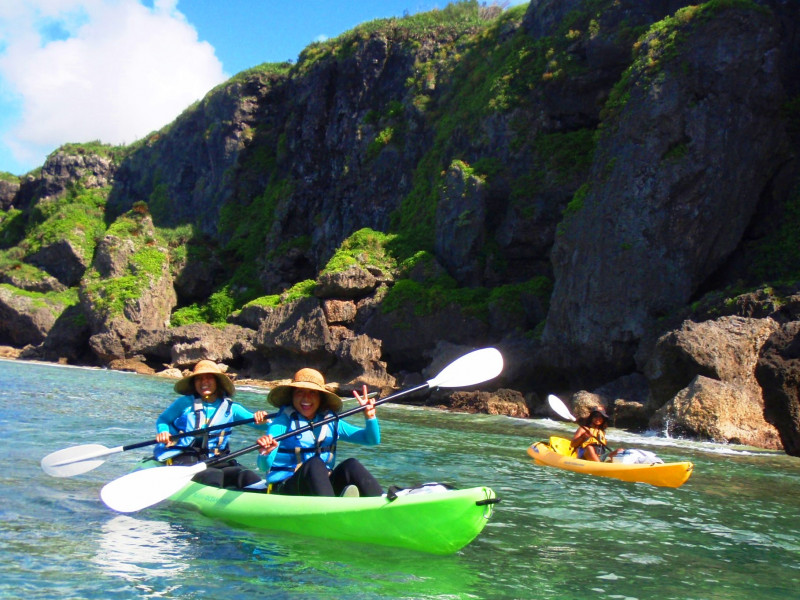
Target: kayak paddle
[146, 487]
[76, 460]
[82, 459]
[560, 408]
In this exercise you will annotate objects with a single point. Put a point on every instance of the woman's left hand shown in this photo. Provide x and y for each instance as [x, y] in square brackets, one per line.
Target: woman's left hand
[365, 400]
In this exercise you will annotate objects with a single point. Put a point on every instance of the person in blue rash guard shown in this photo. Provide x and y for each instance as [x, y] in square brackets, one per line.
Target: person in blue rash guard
[205, 402]
[304, 464]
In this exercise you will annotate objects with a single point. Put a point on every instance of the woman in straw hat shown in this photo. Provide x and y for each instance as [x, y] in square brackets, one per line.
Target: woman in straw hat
[205, 401]
[304, 464]
[590, 438]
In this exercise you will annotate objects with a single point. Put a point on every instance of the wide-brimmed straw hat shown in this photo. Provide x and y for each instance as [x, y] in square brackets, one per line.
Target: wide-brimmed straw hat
[185, 386]
[307, 379]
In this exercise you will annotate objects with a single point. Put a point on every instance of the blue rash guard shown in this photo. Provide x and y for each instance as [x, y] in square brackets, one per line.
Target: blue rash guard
[294, 450]
[180, 417]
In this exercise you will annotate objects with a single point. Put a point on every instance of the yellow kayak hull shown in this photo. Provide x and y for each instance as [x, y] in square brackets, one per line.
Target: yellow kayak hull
[663, 474]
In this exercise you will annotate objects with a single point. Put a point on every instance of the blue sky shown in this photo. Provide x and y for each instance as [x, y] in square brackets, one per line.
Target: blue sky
[115, 70]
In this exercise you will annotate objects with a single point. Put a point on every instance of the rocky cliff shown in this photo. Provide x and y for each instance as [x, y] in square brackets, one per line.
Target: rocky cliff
[585, 184]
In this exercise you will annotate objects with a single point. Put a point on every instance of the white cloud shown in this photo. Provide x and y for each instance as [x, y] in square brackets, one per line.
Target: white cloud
[112, 70]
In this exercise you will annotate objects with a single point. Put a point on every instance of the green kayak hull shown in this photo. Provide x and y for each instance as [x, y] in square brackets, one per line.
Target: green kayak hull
[434, 522]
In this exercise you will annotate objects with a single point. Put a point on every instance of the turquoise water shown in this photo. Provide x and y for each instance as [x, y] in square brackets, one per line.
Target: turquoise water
[731, 532]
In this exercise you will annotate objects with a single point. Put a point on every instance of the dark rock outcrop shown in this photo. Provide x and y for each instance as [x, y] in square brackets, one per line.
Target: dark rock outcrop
[8, 192]
[499, 402]
[778, 373]
[183, 346]
[23, 319]
[63, 260]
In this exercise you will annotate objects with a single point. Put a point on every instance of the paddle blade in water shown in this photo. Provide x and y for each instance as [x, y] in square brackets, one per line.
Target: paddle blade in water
[146, 487]
[75, 460]
[560, 408]
[475, 367]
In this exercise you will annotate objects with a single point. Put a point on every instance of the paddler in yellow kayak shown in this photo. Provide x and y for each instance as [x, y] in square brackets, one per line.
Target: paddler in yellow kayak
[590, 439]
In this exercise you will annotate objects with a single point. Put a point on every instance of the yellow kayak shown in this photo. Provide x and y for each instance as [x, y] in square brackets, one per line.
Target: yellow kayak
[557, 453]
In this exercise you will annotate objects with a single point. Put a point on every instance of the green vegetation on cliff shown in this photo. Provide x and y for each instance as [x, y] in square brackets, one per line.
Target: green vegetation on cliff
[142, 264]
[364, 248]
[77, 217]
[54, 302]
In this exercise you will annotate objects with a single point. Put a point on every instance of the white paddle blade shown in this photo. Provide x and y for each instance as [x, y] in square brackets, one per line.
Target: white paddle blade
[146, 487]
[560, 408]
[76, 460]
[475, 367]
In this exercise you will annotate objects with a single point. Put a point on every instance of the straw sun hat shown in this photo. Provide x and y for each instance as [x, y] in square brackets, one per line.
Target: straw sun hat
[308, 379]
[185, 386]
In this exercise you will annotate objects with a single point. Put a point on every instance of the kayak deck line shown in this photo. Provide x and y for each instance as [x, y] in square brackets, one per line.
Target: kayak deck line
[658, 474]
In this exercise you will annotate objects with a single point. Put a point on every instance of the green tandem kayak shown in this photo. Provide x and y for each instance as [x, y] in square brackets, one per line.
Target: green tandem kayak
[440, 522]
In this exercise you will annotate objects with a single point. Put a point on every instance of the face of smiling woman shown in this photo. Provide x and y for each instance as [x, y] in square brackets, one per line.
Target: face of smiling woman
[306, 402]
[205, 384]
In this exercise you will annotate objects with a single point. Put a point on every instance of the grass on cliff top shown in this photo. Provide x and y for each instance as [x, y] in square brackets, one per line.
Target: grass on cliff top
[94, 148]
[455, 19]
[267, 68]
[365, 247]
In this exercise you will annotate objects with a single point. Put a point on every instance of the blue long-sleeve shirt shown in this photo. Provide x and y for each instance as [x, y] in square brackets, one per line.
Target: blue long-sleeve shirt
[178, 417]
[368, 435]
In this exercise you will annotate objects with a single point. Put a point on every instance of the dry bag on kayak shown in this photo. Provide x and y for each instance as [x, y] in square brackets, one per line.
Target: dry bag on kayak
[633, 456]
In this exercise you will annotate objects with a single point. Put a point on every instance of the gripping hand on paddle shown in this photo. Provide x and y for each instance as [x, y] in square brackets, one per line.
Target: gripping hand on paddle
[261, 416]
[365, 400]
[267, 443]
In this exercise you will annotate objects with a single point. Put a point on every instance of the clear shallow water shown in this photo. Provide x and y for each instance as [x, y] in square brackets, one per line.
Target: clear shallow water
[731, 532]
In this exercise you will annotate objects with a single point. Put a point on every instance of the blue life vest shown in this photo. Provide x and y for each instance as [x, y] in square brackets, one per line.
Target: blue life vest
[195, 416]
[295, 450]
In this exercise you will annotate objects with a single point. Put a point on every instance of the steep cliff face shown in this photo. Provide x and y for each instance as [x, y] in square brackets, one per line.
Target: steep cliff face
[693, 138]
[186, 171]
[568, 180]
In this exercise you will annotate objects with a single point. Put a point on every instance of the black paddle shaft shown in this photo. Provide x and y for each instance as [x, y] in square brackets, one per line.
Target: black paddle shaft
[310, 426]
[198, 432]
